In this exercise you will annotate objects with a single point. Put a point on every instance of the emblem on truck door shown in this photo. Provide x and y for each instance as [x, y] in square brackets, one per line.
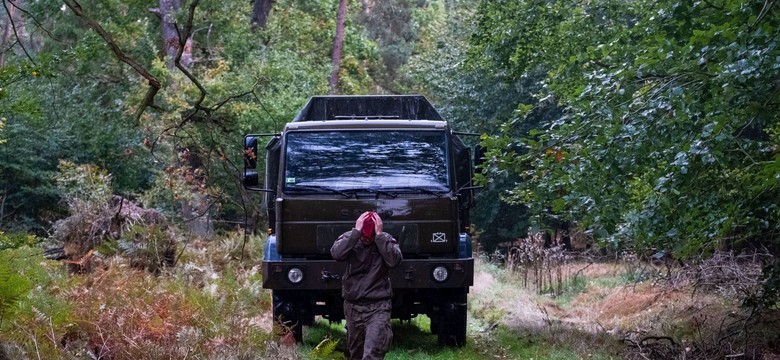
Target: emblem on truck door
[439, 238]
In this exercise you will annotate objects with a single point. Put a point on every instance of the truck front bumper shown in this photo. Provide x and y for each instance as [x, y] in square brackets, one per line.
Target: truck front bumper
[326, 274]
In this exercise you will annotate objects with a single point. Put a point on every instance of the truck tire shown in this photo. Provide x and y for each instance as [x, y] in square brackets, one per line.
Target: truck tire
[453, 321]
[287, 314]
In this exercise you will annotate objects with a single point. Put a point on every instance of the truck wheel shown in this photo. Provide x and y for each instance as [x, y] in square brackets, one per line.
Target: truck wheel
[453, 321]
[286, 314]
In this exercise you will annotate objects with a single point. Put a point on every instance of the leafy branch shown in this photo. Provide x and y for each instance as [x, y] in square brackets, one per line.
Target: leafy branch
[154, 83]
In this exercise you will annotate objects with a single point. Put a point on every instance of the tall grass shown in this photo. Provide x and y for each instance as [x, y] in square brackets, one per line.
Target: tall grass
[539, 266]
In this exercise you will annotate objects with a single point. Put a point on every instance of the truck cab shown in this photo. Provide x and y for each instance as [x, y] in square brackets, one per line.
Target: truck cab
[342, 156]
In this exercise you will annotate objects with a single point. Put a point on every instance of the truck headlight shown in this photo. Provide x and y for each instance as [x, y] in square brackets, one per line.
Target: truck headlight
[440, 273]
[295, 275]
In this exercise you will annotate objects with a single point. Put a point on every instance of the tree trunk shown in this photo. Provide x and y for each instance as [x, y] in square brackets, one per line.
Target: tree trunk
[7, 35]
[260, 12]
[13, 30]
[367, 6]
[171, 41]
[186, 55]
[338, 45]
[2, 204]
[195, 210]
[198, 215]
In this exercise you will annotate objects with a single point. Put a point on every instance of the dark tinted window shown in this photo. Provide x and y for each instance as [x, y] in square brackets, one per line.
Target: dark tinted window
[366, 159]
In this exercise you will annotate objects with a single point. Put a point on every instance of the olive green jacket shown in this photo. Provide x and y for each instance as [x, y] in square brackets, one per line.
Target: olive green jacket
[366, 276]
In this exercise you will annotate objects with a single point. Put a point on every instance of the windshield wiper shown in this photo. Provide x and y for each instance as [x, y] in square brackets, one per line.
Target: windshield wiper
[373, 191]
[382, 192]
[421, 190]
[324, 188]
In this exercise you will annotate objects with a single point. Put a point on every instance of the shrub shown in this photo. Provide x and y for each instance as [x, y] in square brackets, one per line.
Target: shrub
[99, 218]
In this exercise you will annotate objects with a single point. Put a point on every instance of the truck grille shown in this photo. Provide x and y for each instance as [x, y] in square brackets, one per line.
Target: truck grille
[407, 236]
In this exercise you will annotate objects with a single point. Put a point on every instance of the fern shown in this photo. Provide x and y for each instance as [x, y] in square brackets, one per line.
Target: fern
[325, 349]
[13, 284]
[108, 248]
[32, 317]
[148, 247]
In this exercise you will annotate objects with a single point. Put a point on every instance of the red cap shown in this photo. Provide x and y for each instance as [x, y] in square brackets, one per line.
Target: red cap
[369, 224]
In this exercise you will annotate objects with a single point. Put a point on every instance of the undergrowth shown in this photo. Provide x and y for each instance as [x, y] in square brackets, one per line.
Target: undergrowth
[32, 317]
[210, 306]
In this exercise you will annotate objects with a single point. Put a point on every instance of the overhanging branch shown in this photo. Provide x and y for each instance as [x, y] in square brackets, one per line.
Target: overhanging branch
[154, 83]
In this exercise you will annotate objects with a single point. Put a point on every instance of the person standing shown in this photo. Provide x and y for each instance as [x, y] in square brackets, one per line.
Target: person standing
[365, 287]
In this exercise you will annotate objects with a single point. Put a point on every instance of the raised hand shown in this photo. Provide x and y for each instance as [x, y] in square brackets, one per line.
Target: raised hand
[377, 223]
[361, 219]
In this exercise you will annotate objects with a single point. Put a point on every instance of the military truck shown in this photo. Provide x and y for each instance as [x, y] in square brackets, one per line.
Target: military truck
[342, 156]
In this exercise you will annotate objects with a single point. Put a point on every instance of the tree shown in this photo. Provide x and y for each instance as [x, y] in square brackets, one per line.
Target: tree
[95, 88]
[670, 132]
[171, 38]
[14, 31]
[260, 11]
[395, 26]
[477, 99]
[338, 44]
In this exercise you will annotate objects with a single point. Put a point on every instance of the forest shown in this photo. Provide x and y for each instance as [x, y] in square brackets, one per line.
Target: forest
[647, 132]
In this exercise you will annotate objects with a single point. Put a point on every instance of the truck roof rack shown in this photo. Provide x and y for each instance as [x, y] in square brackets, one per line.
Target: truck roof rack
[368, 107]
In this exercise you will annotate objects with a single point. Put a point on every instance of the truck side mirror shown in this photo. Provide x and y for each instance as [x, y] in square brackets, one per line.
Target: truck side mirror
[250, 152]
[479, 155]
[251, 179]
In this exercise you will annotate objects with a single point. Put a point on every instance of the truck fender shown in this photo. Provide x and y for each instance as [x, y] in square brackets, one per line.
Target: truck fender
[269, 252]
[464, 246]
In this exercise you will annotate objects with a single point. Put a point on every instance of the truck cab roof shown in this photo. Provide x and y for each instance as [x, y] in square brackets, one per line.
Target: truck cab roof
[367, 107]
[374, 124]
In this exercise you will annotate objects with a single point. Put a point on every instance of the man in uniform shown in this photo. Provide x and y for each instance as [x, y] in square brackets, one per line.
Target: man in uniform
[366, 289]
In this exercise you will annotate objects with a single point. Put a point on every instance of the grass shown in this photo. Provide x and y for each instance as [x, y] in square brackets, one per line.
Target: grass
[504, 323]
[212, 306]
[574, 287]
[412, 342]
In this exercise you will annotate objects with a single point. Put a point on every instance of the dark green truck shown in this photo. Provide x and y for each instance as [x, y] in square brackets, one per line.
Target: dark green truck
[341, 156]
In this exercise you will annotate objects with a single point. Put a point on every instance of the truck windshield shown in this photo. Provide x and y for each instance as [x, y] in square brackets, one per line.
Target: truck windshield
[366, 160]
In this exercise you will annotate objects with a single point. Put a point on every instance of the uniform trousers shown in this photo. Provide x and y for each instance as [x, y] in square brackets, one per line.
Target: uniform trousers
[369, 333]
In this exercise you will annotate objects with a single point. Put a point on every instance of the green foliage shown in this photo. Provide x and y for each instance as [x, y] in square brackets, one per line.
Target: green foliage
[477, 99]
[86, 183]
[13, 285]
[73, 99]
[68, 104]
[31, 316]
[397, 35]
[17, 240]
[770, 297]
[669, 135]
[148, 246]
[326, 350]
[26, 184]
